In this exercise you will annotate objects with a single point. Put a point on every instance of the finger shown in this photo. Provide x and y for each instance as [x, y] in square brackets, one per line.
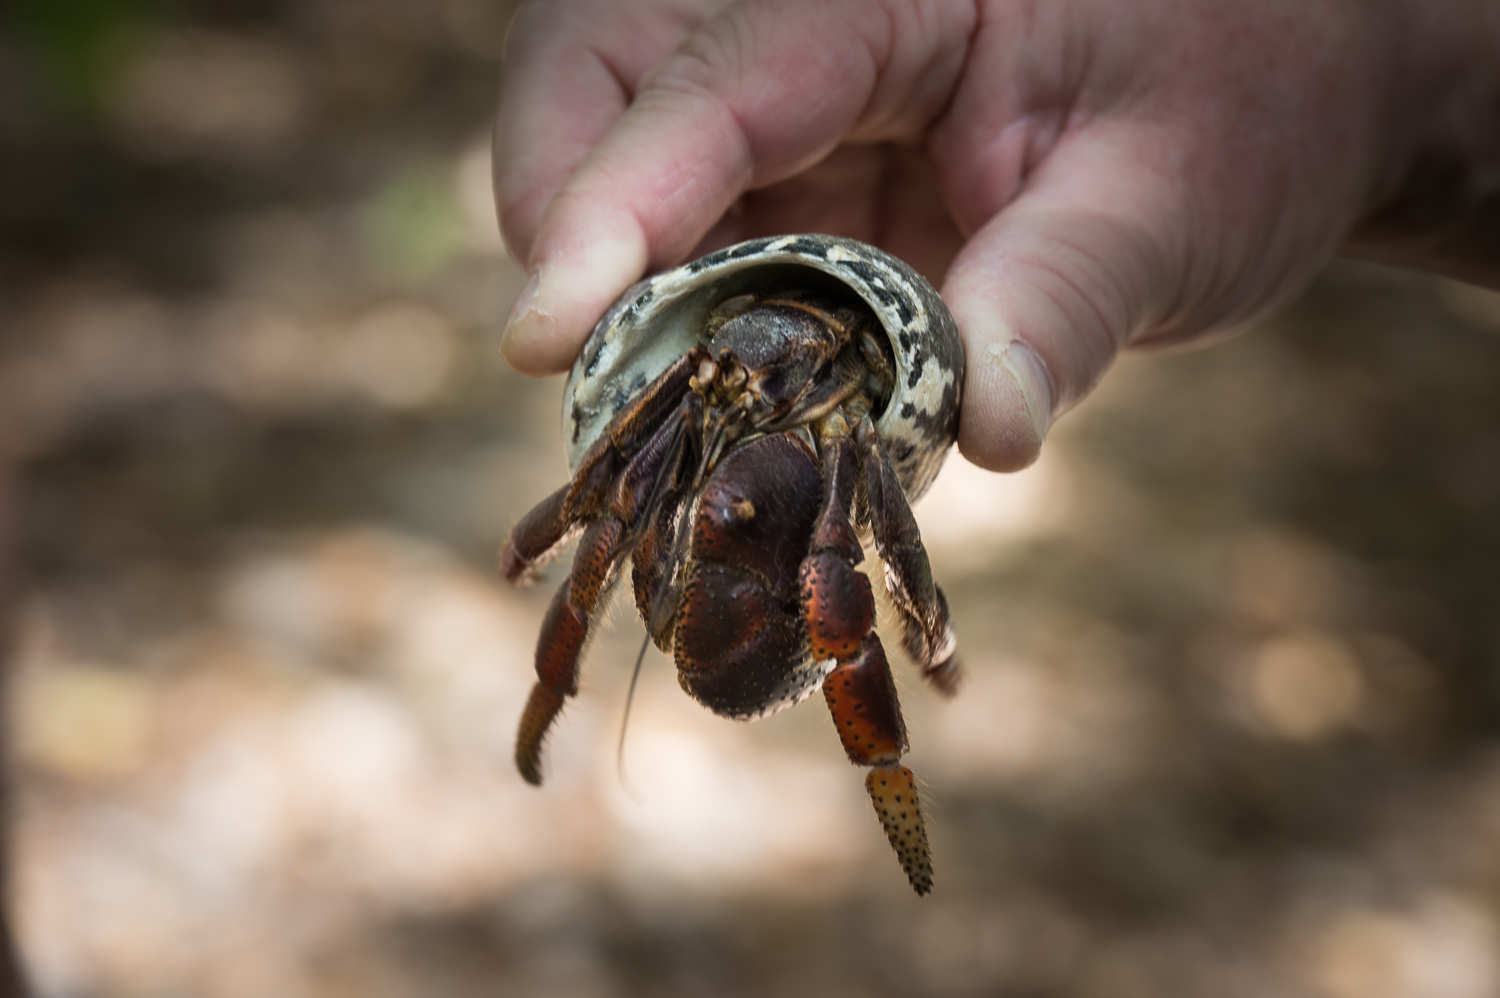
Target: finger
[570, 71]
[757, 95]
[1048, 291]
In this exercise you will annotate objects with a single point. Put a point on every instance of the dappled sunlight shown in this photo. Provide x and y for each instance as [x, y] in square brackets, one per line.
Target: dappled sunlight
[969, 512]
[1302, 687]
[705, 809]
[1070, 724]
[340, 724]
[1444, 946]
[398, 355]
[196, 94]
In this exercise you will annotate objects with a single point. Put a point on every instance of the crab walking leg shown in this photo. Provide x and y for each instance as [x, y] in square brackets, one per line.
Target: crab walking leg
[656, 548]
[861, 697]
[536, 540]
[542, 532]
[632, 429]
[655, 566]
[565, 629]
[926, 632]
[838, 606]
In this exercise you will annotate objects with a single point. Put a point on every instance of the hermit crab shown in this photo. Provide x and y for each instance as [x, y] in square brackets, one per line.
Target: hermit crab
[739, 428]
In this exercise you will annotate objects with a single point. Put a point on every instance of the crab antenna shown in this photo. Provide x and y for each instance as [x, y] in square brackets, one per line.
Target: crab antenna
[660, 492]
[635, 676]
[714, 443]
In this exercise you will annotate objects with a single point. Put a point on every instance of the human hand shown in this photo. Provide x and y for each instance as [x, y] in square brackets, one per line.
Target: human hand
[1087, 173]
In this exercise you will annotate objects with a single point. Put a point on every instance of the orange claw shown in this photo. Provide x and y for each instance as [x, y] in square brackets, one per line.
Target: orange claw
[893, 791]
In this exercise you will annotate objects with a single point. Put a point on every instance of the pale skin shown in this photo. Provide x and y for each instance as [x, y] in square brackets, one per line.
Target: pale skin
[1075, 175]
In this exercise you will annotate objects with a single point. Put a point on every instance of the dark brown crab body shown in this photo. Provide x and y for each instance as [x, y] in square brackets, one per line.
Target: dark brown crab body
[735, 425]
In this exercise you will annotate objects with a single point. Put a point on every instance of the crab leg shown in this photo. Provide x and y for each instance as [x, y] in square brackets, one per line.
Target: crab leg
[631, 429]
[927, 634]
[536, 540]
[658, 548]
[839, 610]
[542, 532]
[560, 644]
[566, 627]
[846, 375]
[837, 602]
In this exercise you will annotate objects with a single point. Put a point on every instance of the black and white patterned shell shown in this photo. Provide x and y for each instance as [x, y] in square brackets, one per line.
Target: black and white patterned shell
[662, 317]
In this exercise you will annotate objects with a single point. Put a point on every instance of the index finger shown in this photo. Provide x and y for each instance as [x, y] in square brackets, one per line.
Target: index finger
[756, 95]
[570, 71]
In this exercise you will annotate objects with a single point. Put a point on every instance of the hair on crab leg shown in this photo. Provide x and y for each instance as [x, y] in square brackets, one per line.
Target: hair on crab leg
[565, 632]
[663, 607]
[632, 430]
[921, 607]
[537, 539]
[658, 537]
[606, 542]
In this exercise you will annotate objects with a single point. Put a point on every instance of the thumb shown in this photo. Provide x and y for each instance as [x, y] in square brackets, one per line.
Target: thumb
[1049, 290]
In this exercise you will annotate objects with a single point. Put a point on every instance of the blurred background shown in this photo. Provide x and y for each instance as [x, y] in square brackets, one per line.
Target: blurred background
[1232, 724]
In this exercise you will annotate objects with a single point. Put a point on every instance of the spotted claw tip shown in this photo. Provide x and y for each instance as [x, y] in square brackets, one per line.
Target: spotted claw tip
[893, 791]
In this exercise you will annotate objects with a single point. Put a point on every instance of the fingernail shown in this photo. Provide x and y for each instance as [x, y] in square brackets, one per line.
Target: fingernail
[516, 318]
[573, 282]
[1032, 379]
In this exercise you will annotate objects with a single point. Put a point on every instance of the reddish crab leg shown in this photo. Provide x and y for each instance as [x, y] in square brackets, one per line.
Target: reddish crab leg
[564, 631]
[926, 632]
[838, 604]
[542, 532]
[536, 540]
[566, 627]
[839, 609]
